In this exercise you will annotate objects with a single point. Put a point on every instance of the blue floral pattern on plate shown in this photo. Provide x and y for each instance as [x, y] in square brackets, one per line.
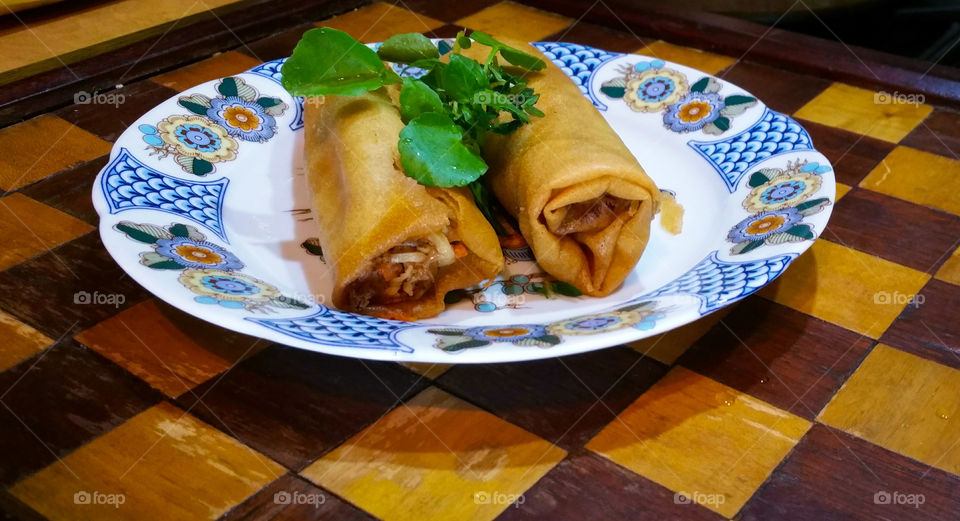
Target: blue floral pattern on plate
[128, 184]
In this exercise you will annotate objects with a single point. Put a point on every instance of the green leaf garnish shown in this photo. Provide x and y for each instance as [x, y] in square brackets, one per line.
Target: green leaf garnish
[432, 152]
[407, 48]
[462, 41]
[448, 111]
[416, 97]
[462, 78]
[511, 54]
[328, 61]
[487, 204]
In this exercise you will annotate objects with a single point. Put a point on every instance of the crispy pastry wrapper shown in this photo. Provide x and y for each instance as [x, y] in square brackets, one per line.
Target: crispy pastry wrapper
[567, 161]
[365, 205]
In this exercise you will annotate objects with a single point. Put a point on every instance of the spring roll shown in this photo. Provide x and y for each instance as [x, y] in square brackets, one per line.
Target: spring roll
[583, 202]
[395, 247]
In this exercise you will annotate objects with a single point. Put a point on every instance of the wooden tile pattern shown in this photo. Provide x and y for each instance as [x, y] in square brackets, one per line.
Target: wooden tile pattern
[832, 475]
[782, 356]
[47, 45]
[918, 177]
[160, 453]
[908, 234]
[781, 407]
[587, 486]
[598, 36]
[702, 439]
[58, 400]
[379, 21]
[47, 291]
[781, 90]
[515, 21]
[210, 69]
[937, 134]
[563, 400]
[877, 114]
[904, 403]
[69, 191]
[294, 405]
[950, 270]
[19, 341]
[701, 60]
[846, 287]
[31, 228]
[168, 349]
[453, 461]
[42, 146]
[109, 120]
[926, 326]
[447, 11]
[276, 503]
[853, 155]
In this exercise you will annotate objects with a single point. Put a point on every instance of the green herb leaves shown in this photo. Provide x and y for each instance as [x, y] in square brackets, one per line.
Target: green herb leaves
[407, 48]
[328, 61]
[416, 97]
[512, 55]
[432, 151]
[462, 78]
[448, 111]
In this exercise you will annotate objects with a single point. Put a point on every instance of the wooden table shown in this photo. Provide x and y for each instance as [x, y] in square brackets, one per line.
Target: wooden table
[832, 394]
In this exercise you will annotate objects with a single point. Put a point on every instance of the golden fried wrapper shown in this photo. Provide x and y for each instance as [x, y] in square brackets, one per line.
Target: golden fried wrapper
[366, 207]
[583, 202]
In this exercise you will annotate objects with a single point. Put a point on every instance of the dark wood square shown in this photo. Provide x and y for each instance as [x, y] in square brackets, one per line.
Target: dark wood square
[295, 405]
[778, 355]
[589, 486]
[43, 290]
[59, 399]
[938, 134]
[780, 90]
[900, 231]
[852, 155]
[557, 398]
[69, 191]
[269, 504]
[831, 475]
[108, 119]
[927, 327]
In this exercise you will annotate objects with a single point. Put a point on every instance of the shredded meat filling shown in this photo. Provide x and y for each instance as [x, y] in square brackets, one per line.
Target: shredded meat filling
[404, 272]
[597, 214]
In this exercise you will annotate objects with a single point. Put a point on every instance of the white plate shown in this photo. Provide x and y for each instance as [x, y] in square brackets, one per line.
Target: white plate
[229, 245]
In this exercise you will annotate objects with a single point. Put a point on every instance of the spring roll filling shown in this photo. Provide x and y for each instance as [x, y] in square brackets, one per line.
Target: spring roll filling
[405, 272]
[595, 214]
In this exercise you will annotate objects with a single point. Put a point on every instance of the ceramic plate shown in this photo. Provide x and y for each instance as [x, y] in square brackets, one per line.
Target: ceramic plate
[204, 203]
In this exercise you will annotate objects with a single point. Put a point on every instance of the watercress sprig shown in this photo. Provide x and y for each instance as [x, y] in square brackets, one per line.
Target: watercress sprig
[448, 111]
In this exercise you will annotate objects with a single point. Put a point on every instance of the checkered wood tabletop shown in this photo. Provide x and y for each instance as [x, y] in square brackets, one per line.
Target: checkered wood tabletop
[832, 394]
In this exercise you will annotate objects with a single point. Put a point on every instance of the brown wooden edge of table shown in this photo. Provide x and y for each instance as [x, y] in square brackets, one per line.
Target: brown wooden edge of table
[232, 26]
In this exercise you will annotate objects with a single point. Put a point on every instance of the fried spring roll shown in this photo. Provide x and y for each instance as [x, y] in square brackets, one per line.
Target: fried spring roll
[583, 202]
[395, 247]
